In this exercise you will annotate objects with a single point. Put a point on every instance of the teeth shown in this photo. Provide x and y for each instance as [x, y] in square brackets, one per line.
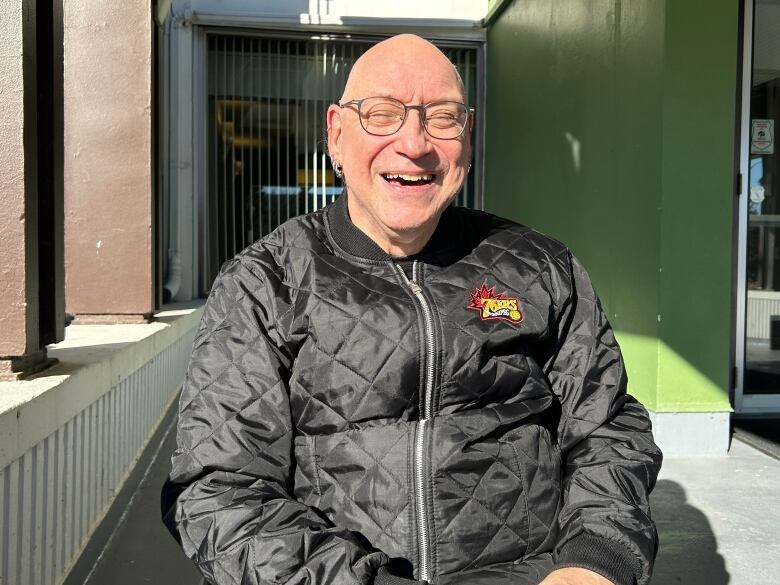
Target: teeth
[410, 177]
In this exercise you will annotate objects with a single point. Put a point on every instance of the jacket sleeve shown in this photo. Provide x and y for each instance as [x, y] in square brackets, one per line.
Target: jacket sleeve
[228, 497]
[609, 457]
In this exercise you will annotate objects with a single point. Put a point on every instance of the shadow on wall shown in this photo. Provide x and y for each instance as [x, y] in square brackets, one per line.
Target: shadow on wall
[688, 552]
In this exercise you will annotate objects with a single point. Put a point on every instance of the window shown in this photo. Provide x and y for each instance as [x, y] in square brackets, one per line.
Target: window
[267, 160]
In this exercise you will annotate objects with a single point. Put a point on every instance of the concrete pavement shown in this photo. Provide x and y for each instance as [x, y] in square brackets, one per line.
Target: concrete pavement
[718, 521]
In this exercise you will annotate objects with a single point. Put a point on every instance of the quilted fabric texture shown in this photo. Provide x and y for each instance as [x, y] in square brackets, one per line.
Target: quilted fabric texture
[302, 400]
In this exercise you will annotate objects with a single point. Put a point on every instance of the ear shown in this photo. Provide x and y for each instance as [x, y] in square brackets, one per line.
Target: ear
[466, 136]
[333, 124]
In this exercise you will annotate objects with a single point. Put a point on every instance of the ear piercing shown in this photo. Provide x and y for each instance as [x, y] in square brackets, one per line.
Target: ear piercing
[338, 170]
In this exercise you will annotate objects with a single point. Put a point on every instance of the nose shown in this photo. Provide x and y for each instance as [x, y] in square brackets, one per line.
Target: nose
[411, 139]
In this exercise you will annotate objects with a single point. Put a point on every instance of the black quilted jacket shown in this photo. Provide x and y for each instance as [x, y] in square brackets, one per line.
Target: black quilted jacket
[453, 417]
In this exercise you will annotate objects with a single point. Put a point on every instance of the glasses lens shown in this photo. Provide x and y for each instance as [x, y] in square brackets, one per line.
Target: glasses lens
[381, 116]
[445, 119]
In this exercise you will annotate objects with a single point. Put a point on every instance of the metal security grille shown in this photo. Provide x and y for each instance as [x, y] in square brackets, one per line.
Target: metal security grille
[267, 160]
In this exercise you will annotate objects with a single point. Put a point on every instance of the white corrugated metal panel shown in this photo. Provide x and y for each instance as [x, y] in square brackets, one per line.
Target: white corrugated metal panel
[761, 307]
[53, 496]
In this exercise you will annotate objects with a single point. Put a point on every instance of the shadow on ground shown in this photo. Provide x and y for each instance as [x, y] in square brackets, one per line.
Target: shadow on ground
[688, 551]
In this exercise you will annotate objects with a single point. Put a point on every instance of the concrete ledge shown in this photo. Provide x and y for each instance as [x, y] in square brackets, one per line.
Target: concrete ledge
[692, 434]
[92, 360]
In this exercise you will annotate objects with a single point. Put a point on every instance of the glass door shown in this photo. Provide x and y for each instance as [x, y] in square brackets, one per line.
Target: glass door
[758, 388]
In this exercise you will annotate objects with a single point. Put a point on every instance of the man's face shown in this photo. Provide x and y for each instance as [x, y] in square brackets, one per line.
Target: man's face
[399, 185]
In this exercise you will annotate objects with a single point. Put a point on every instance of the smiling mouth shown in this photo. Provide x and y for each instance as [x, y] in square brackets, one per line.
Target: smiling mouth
[408, 180]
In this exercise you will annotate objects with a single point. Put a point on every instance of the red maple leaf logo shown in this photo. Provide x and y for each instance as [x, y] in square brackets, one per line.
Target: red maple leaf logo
[492, 305]
[482, 294]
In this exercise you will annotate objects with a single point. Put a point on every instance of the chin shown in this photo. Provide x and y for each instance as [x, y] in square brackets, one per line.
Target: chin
[419, 212]
[410, 222]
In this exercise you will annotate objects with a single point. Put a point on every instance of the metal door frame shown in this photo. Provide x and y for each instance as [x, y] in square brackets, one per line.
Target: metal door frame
[746, 403]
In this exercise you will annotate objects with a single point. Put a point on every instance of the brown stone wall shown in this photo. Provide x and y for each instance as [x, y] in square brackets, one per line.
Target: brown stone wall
[14, 327]
[108, 157]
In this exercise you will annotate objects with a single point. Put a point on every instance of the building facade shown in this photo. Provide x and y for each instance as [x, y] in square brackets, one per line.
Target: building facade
[641, 161]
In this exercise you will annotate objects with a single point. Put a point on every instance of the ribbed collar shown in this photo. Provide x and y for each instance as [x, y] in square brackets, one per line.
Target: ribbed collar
[356, 243]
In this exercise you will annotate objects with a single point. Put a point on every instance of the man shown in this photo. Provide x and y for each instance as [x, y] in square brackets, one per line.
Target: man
[393, 389]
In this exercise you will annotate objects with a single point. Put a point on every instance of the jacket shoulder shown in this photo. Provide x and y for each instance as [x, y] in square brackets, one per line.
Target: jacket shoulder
[293, 242]
[513, 237]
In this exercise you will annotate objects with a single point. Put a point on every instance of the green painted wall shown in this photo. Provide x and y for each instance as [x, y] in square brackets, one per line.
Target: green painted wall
[698, 178]
[494, 4]
[610, 125]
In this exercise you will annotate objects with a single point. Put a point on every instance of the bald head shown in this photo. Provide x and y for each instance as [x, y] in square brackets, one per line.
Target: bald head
[388, 64]
[399, 184]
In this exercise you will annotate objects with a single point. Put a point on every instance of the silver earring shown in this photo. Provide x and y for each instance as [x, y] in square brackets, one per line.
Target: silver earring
[338, 170]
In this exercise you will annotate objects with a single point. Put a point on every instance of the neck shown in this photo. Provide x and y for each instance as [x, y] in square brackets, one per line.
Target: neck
[396, 243]
[401, 247]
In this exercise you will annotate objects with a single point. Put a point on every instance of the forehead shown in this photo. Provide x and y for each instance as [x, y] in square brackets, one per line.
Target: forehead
[423, 77]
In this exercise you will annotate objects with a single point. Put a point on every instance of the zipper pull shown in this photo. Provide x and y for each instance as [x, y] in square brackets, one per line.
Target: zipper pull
[415, 287]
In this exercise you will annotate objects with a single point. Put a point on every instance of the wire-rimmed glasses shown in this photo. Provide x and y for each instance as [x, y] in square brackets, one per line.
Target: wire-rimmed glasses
[383, 116]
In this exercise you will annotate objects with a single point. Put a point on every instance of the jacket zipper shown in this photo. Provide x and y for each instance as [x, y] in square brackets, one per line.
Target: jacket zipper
[419, 450]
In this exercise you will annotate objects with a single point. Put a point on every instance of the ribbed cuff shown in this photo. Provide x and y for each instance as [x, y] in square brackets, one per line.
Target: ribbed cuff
[385, 577]
[601, 555]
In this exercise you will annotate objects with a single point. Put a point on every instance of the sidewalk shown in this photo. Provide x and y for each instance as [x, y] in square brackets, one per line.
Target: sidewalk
[718, 519]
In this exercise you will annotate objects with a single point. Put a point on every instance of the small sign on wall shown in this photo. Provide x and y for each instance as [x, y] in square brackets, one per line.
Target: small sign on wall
[762, 137]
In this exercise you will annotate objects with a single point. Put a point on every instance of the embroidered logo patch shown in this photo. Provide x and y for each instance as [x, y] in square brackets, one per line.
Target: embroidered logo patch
[492, 305]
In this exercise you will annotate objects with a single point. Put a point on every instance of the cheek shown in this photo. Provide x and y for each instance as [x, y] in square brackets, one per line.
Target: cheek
[465, 154]
[359, 155]
[459, 155]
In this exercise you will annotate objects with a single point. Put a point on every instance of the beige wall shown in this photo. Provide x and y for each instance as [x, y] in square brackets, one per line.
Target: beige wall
[13, 277]
[108, 157]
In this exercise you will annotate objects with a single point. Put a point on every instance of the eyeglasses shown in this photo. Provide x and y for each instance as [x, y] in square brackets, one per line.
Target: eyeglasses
[383, 116]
